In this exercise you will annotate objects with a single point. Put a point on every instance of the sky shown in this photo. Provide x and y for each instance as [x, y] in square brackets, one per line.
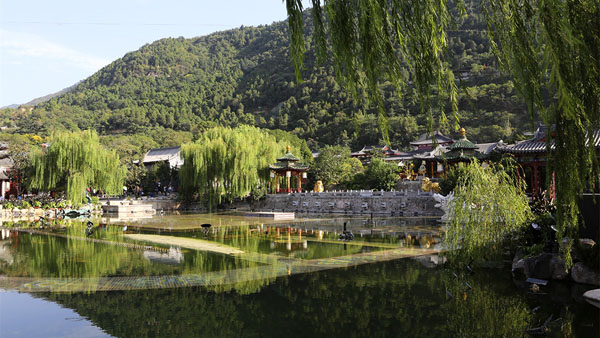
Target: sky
[46, 46]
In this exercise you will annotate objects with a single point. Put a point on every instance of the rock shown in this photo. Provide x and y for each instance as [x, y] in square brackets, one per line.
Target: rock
[543, 266]
[593, 297]
[582, 274]
[559, 268]
[539, 266]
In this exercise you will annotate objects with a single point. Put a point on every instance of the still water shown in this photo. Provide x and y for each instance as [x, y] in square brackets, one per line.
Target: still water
[292, 279]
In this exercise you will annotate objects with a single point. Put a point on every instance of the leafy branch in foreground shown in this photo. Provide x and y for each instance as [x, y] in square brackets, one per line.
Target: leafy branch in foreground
[376, 40]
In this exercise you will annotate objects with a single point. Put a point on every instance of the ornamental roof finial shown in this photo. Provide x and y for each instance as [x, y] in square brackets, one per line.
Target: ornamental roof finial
[462, 131]
[288, 148]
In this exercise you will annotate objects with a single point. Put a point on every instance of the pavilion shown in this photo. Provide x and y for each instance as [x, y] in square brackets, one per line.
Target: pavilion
[288, 166]
[462, 150]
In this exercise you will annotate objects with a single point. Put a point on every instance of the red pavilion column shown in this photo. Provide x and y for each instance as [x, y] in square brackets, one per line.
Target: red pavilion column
[536, 185]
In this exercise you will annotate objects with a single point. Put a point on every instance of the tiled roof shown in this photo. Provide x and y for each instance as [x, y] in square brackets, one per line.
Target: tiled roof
[462, 143]
[6, 162]
[288, 165]
[537, 144]
[288, 157]
[162, 154]
[368, 151]
[425, 139]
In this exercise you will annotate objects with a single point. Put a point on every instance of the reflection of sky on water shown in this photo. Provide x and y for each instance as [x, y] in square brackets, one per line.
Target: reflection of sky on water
[22, 315]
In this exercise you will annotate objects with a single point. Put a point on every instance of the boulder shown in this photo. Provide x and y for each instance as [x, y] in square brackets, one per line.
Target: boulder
[582, 274]
[539, 266]
[543, 266]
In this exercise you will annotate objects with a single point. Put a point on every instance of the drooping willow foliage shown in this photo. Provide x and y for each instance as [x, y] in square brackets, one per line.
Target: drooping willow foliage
[226, 163]
[550, 47]
[373, 40]
[488, 205]
[553, 46]
[75, 161]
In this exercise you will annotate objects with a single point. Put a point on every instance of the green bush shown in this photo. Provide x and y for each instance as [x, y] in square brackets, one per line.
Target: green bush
[25, 205]
[9, 205]
[37, 204]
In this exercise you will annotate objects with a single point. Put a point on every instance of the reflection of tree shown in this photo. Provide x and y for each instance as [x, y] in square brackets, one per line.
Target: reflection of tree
[70, 255]
[398, 298]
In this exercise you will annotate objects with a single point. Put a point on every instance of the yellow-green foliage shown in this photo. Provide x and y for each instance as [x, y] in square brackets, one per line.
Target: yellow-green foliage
[75, 161]
[226, 162]
[488, 205]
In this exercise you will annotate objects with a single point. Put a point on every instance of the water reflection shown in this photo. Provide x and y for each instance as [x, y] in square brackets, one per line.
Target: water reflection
[398, 298]
[70, 256]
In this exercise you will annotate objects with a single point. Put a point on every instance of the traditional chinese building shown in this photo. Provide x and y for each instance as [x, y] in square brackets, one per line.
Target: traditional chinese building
[290, 167]
[429, 141]
[6, 185]
[172, 156]
[531, 155]
[367, 152]
[462, 150]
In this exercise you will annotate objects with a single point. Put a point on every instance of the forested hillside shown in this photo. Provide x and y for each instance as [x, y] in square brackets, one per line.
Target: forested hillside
[244, 76]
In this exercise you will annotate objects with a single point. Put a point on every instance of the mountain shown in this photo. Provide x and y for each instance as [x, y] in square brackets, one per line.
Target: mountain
[42, 99]
[45, 98]
[244, 76]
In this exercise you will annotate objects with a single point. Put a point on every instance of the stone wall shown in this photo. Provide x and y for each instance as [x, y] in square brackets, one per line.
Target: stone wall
[406, 202]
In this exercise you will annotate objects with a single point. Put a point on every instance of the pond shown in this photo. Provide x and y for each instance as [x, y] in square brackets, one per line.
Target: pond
[243, 276]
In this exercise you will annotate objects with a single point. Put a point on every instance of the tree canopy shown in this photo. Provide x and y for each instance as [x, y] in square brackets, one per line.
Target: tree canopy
[487, 207]
[75, 161]
[227, 163]
[550, 47]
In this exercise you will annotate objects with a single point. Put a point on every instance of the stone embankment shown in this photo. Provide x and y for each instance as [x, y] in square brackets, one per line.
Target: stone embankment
[391, 203]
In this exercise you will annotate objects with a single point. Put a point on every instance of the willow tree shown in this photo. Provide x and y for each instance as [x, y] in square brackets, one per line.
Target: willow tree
[226, 163]
[488, 206]
[550, 47]
[75, 161]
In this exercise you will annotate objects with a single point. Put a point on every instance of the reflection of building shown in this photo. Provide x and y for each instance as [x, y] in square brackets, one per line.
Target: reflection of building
[171, 156]
[6, 164]
[289, 166]
[174, 256]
